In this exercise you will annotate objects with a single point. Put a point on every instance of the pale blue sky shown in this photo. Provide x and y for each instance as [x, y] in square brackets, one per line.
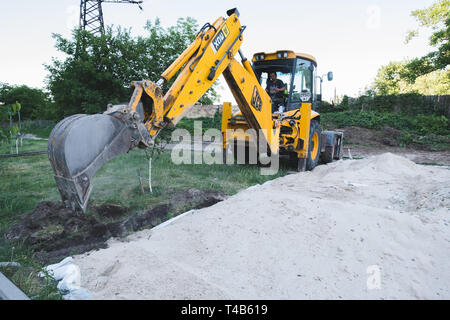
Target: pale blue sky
[351, 38]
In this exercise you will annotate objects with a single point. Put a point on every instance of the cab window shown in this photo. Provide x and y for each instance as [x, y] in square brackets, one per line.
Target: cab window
[302, 90]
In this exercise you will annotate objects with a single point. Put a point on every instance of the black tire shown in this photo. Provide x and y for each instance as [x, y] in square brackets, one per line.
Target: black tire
[313, 159]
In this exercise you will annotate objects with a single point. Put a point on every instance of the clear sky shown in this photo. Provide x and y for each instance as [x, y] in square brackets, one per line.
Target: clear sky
[351, 38]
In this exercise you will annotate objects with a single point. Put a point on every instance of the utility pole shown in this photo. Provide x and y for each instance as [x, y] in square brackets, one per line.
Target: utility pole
[91, 14]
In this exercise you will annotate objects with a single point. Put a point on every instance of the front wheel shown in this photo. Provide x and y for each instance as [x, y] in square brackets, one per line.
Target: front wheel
[315, 142]
[315, 137]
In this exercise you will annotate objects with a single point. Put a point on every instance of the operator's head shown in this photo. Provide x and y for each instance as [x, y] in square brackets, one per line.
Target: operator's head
[272, 76]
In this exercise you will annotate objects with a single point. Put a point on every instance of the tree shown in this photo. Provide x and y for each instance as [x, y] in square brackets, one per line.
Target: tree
[35, 102]
[4, 88]
[436, 17]
[433, 83]
[98, 70]
[387, 80]
[390, 81]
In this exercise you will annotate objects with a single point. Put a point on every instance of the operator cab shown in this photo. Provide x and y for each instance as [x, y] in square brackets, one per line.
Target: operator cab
[297, 71]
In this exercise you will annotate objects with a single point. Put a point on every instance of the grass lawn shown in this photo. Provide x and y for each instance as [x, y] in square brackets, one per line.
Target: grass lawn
[26, 181]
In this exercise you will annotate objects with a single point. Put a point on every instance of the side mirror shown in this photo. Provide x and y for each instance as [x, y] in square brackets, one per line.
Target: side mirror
[330, 76]
[319, 97]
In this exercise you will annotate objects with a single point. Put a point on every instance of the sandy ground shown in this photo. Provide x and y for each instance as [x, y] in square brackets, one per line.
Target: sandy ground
[377, 228]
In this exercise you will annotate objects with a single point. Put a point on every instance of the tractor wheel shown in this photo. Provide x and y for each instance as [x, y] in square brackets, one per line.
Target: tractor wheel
[315, 137]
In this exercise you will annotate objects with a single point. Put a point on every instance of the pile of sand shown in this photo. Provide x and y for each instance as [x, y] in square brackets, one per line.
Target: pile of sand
[363, 229]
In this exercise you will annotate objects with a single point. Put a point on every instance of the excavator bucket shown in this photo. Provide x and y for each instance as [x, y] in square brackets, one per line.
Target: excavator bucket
[79, 145]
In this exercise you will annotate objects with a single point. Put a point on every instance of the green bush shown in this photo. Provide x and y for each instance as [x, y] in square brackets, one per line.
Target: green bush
[405, 138]
[431, 124]
[406, 104]
[432, 142]
[326, 107]
[3, 135]
[4, 115]
[420, 124]
[365, 119]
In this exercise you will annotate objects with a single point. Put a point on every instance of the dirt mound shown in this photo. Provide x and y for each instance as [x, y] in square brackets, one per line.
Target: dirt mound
[55, 231]
[387, 136]
[376, 228]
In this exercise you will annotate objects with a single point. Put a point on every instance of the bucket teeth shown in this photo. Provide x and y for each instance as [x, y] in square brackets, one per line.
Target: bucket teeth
[79, 145]
[75, 192]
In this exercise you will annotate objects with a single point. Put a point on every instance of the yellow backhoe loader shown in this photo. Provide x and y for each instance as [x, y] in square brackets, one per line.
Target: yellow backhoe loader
[285, 124]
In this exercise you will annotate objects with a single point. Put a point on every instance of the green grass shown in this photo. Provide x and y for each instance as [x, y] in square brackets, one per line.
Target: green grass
[117, 182]
[26, 181]
[26, 277]
[41, 131]
[26, 146]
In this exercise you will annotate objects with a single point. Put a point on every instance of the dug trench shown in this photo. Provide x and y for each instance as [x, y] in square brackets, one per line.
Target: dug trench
[55, 232]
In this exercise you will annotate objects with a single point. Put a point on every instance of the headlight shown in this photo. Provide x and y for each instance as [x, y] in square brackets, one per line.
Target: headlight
[260, 57]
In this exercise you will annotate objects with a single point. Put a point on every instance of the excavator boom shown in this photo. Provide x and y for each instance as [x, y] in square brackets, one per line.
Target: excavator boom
[79, 145]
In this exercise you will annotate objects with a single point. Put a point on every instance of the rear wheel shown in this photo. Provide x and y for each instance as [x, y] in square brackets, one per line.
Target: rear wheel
[334, 151]
[328, 155]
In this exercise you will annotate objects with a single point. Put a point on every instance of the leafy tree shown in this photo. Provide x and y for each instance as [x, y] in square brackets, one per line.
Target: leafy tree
[35, 102]
[98, 70]
[387, 80]
[13, 129]
[4, 88]
[436, 17]
[3, 107]
[390, 81]
[433, 83]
